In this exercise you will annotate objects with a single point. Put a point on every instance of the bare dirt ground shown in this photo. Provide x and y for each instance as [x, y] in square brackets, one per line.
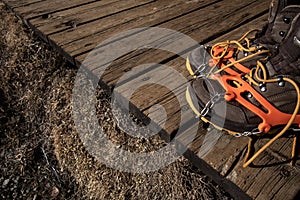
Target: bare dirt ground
[42, 156]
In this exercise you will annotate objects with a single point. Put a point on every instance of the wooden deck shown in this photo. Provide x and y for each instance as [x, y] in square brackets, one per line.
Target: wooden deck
[76, 27]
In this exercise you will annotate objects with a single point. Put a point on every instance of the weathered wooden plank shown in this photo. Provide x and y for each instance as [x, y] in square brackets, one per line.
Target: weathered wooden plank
[287, 191]
[77, 16]
[45, 8]
[19, 3]
[274, 181]
[227, 15]
[197, 29]
[119, 68]
[84, 38]
[264, 178]
[270, 190]
[263, 181]
[269, 179]
[281, 149]
[248, 176]
[159, 88]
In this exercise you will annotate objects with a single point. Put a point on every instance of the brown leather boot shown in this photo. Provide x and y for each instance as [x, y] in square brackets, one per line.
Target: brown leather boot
[260, 98]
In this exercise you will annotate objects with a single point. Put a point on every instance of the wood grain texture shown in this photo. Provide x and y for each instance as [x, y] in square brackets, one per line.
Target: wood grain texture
[46, 7]
[195, 24]
[77, 16]
[76, 27]
[21, 3]
[86, 37]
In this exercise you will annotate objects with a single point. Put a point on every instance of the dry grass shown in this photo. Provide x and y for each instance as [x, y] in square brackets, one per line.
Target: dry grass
[42, 156]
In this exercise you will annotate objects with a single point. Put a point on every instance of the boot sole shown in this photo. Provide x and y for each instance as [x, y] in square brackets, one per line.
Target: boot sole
[193, 106]
[189, 67]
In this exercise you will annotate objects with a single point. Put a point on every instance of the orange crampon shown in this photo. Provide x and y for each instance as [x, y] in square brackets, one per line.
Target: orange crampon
[237, 84]
[260, 78]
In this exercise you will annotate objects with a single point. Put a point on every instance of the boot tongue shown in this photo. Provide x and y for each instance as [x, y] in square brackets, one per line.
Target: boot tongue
[277, 5]
[287, 61]
[282, 23]
[274, 8]
[285, 51]
[279, 22]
